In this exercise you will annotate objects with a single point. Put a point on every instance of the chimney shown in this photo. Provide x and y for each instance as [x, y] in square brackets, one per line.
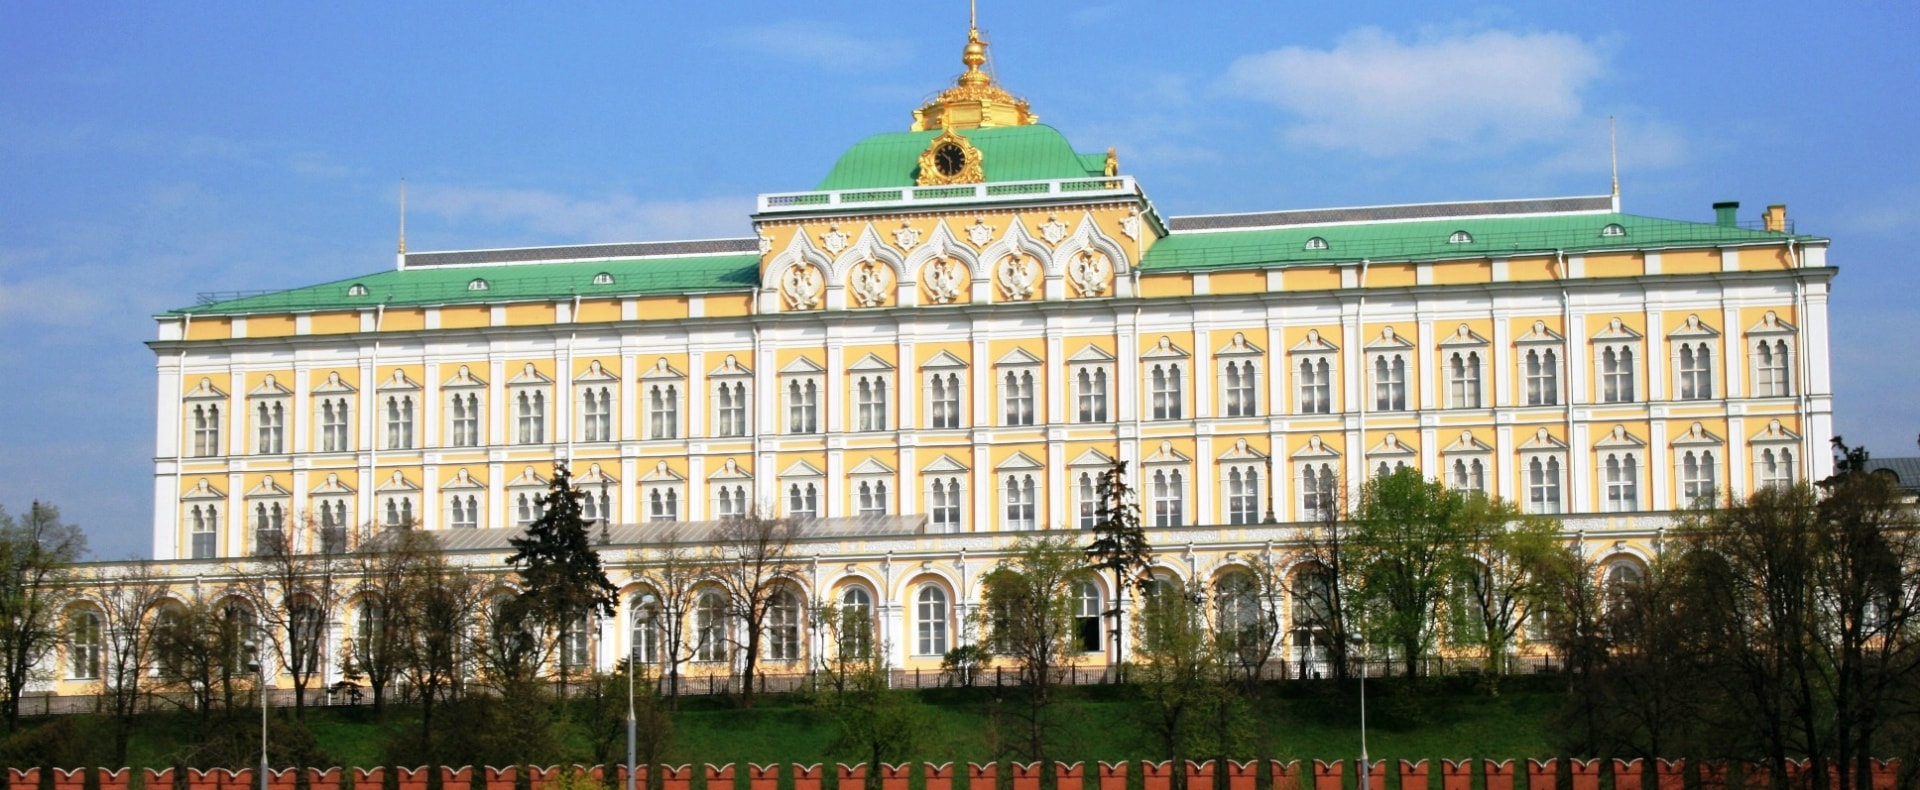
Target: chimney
[1776, 218]
[1726, 213]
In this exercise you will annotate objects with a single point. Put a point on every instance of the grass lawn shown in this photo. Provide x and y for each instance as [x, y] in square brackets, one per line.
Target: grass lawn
[1293, 721]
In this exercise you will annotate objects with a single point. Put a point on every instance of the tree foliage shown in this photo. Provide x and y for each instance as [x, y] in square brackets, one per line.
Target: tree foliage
[1119, 545]
[37, 553]
[562, 580]
[1412, 538]
[753, 561]
[1029, 619]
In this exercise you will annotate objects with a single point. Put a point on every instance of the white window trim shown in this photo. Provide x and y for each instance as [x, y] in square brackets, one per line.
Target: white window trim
[872, 473]
[1165, 461]
[803, 372]
[1769, 331]
[1241, 353]
[943, 365]
[663, 481]
[1387, 348]
[1695, 335]
[1166, 355]
[812, 486]
[1775, 438]
[1101, 377]
[957, 478]
[1019, 363]
[1555, 371]
[596, 380]
[1617, 337]
[463, 385]
[1095, 465]
[731, 374]
[1322, 459]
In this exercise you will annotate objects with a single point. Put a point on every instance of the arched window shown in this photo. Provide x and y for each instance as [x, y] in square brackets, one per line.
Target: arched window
[643, 634]
[856, 623]
[83, 645]
[930, 621]
[710, 626]
[1697, 475]
[1089, 606]
[1316, 243]
[1460, 237]
[783, 626]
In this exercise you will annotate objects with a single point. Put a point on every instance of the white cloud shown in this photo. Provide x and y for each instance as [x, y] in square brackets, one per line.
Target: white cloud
[49, 302]
[817, 45]
[614, 218]
[1376, 94]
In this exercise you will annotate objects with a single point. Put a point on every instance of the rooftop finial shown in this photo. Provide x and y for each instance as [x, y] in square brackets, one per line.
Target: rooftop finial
[403, 216]
[1613, 154]
[974, 101]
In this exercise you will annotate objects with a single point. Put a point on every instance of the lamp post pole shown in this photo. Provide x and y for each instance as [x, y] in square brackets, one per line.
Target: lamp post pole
[1366, 767]
[260, 660]
[641, 615]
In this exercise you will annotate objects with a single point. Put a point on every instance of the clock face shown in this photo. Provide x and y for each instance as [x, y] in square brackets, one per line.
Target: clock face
[949, 159]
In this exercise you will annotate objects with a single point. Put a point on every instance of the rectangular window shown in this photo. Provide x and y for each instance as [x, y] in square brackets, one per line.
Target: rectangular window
[1016, 392]
[729, 501]
[663, 504]
[463, 414]
[1242, 495]
[400, 422]
[269, 528]
[206, 429]
[1165, 386]
[1463, 380]
[1696, 371]
[1087, 498]
[596, 414]
[943, 401]
[530, 413]
[871, 497]
[83, 646]
[206, 530]
[870, 398]
[1317, 484]
[1543, 377]
[1240, 391]
[1469, 474]
[730, 408]
[528, 507]
[1169, 498]
[1090, 394]
[1616, 374]
[803, 406]
[270, 417]
[1621, 473]
[335, 430]
[1770, 370]
[1774, 466]
[1697, 476]
[663, 411]
[1315, 380]
[1020, 499]
[1390, 382]
[944, 498]
[463, 511]
[803, 501]
[1543, 485]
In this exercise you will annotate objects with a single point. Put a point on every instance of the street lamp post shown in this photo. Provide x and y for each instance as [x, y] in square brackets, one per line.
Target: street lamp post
[642, 614]
[260, 664]
[1366, 767]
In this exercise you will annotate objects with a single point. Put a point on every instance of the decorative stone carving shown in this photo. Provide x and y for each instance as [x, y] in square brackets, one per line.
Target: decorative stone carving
[943, 280]
[1130, 225]
[766, 244]
[870, 282]
[803, 286]
[906, 237]
[1019, 273]
[834, 239]
[980, 232]
[1089, 273]
[1053, 230]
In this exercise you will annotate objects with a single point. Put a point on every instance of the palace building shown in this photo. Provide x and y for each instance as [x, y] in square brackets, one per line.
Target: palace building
[941, 346]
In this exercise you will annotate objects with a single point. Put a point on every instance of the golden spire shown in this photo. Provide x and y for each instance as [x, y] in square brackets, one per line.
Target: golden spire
[1613, 154]
[974, 101]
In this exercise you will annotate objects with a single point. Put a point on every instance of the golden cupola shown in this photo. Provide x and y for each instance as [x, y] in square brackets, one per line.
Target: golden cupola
[974, 101]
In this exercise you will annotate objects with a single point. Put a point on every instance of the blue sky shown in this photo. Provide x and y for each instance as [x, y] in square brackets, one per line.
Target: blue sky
[152, 151]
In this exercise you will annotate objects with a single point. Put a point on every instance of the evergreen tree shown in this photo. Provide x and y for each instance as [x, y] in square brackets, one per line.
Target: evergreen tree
[1119, 542]
[561, 577]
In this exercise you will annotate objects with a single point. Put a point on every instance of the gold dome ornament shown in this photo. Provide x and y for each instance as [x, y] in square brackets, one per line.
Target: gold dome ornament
[974, 101]
[950, 159]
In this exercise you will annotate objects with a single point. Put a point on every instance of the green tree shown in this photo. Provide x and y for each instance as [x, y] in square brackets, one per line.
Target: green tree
[753, 561]
[562, 580]
[295, 583]
[874, 723]
[1178, 669]
[439, 614]
[1119, 547]
[37, 553]
[1411, 537]
[1029, 618]
[1512, 578]
[129, 596]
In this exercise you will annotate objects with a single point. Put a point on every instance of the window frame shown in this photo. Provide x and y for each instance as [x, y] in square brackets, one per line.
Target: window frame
[730, 391]
[932, 619]
[1620, 341]
[1315, 389]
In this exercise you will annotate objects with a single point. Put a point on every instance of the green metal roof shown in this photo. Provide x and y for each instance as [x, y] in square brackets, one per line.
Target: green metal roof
[454, 285]
[1013, 153]
[1391, 241]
